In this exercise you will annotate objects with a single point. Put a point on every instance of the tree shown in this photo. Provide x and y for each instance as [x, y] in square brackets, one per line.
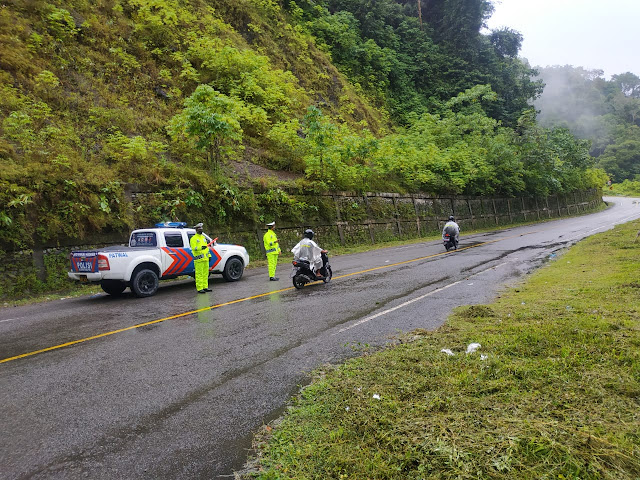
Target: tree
[506, 42]
[319, 133]
[627, 108]
[210, 118]
[628, 83]
[472, 99]
[457, 23]
[622, 159]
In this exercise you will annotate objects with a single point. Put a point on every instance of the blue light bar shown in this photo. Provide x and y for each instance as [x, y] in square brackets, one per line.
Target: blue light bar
[171, 224]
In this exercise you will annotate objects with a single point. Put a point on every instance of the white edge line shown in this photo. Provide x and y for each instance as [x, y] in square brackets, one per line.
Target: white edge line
[10, 319]
[384, 312]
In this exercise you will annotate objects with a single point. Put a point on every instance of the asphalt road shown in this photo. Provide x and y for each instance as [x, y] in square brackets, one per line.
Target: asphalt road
[174, 386]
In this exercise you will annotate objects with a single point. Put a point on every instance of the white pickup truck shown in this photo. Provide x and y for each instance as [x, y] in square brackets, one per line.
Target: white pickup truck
[153, 254]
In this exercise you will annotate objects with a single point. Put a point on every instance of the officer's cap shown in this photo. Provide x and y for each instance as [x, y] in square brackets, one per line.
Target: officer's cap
[272, 224]
[199, 225]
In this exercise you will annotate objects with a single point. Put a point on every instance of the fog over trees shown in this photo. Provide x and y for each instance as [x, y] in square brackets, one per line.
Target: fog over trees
[607, 112]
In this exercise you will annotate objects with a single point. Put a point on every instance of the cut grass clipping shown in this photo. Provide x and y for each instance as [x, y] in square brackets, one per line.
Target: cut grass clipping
[552, 393]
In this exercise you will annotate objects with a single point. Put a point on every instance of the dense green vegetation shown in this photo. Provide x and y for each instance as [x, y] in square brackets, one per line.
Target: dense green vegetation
[627, 188]
[605, 111]
[100, 98]
[411, 68]
[551, 392]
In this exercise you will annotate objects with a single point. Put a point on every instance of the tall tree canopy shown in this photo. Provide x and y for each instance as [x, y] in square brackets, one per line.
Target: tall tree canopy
[411, 68]
[605, 111]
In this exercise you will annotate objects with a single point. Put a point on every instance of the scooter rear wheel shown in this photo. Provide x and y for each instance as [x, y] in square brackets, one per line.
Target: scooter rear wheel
[298, 282]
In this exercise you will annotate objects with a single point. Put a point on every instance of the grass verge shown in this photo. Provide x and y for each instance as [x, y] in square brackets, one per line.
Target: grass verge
[552, 393]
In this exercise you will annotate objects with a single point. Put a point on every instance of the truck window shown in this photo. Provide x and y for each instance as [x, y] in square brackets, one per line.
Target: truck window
[143, 239]
[173, 240]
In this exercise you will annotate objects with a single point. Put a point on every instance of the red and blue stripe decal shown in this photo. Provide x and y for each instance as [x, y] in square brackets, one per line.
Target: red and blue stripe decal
[181, 260]
[215, 259]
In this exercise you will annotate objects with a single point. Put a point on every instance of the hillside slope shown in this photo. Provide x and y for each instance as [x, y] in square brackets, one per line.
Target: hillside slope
[102, 98]
[88, 90]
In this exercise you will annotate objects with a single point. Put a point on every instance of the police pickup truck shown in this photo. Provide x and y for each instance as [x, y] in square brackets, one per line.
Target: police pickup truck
[153, 254]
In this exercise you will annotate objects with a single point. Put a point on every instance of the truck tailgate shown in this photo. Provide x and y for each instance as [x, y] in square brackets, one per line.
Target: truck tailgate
[84, 262]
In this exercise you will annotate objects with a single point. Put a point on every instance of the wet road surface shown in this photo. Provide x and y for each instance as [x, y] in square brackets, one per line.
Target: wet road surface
[174, 386]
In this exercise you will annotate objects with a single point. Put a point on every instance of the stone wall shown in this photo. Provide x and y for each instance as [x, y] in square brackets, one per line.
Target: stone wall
[373, 218]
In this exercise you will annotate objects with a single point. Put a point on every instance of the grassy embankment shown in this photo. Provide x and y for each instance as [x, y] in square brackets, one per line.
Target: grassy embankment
[552, 393]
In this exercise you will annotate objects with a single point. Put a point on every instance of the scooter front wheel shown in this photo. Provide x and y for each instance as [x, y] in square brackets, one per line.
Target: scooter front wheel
[298, 282]
[329, 274]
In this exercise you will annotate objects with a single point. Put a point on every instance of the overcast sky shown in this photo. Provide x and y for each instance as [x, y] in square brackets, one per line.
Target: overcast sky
[594, 34]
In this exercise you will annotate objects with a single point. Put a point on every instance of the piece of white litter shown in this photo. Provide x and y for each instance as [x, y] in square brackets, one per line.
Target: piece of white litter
[376, 396]
[448, 352]
[472, 347]
[522, 303]
[346, 408]
[386, 261]
[483, 357]
[470, 283]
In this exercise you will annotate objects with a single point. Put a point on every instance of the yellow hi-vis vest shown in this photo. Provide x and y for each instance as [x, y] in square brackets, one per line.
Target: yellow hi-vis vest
[271, 242]
[196, 243]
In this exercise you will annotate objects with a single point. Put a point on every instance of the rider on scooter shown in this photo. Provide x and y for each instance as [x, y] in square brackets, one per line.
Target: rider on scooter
[308, 250]
[452, 228]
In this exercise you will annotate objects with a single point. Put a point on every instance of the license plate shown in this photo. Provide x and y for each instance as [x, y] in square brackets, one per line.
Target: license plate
[85, 266]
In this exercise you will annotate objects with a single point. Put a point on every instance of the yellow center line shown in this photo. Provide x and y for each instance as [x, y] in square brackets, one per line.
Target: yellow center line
[113, 332]
[212, 307]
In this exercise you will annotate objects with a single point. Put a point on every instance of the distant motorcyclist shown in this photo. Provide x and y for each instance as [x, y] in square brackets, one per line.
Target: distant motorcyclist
[452, 228]
[308, 250]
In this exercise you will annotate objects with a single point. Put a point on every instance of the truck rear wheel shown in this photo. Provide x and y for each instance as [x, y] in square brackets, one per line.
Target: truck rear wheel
[144, 282]
[233, 270]
[113, 287]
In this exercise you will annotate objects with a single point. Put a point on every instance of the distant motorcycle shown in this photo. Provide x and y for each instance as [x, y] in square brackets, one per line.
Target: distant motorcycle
[450, 242]
[302, 273]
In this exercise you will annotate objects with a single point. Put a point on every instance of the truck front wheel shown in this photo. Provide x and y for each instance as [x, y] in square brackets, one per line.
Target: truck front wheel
[113, 287]
[144, 282]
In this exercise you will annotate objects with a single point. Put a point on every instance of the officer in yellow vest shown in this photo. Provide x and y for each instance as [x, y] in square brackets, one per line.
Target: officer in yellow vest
[201, 254]
[272, 248]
